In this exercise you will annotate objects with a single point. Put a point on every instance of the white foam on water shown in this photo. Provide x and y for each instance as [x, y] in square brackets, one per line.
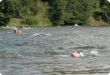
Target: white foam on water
[1, 74]
[108, 73]
[39, 34]
[81, 54]
[94, 53]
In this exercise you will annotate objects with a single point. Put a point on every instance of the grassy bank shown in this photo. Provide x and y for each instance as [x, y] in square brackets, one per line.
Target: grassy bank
[29, 22]
[93, 22]
[32, 21]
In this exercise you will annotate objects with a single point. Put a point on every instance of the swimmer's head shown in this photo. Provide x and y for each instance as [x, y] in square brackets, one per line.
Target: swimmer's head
[77, 54]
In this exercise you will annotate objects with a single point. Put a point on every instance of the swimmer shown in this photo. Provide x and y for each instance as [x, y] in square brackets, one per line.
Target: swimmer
[77, 54]
[18, 30]
[15, 30]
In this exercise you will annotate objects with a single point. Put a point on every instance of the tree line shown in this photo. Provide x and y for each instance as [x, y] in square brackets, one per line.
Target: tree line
[55, 12]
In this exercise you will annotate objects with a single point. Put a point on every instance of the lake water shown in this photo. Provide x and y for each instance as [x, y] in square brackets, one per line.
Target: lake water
[50, 53]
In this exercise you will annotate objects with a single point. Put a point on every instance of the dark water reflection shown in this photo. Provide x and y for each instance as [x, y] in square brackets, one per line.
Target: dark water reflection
[28, 54]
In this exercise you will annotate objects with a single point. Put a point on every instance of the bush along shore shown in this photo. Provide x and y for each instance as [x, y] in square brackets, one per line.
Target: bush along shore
[54, 12]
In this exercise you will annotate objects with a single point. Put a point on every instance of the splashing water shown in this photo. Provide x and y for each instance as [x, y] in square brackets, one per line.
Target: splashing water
[93, 53]
[108, 73]
[0, 74]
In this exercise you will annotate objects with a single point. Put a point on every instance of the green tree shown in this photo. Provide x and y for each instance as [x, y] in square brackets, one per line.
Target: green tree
[9, 8]
[57, 11]
[78, 11]
[105, 6]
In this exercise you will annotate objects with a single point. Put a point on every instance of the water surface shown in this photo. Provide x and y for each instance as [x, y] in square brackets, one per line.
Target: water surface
[50, 54]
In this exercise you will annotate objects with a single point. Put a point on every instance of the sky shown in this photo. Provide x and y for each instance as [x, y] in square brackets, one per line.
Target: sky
[0, 0]
[109, 1]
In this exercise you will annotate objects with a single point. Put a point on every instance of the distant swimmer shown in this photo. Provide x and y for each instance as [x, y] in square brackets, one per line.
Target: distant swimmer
[18, 30]
[77, 54]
